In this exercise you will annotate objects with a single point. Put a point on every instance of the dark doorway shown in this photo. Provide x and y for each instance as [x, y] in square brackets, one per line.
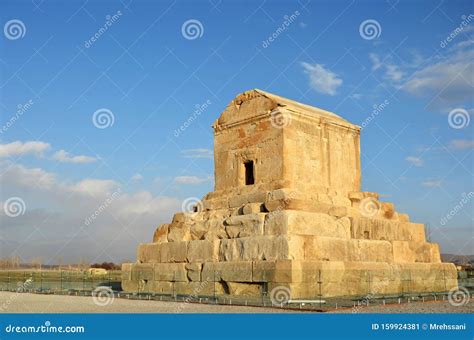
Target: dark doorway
[249, 173]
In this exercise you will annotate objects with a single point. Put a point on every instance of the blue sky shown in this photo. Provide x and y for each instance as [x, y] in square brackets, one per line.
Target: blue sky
[150, 75]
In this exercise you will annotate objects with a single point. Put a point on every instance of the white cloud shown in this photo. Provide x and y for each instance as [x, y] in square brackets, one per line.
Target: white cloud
[461, 144]
[414, 160]
[53, 226]
[37, 148]
[137, 178]
[94, 187]
[446, 81]
[198, 153]
[321, 79]
[64, 157]
[191, 180]
[19, 148]
[392, 71]
[376, 63]
[446, 78]
[27, 178]
[432, 183]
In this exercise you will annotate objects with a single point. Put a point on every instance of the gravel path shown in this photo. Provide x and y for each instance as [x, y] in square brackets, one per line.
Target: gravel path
[418, 307]
[37, 303]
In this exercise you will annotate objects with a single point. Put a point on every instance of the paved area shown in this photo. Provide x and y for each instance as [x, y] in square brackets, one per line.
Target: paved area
[36, 303]
[418, 307]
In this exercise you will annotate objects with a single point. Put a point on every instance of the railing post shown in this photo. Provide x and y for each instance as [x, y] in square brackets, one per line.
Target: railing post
[215, 298]
[320, 289]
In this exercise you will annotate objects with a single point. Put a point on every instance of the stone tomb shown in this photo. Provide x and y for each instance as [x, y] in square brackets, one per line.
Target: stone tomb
[287, 211]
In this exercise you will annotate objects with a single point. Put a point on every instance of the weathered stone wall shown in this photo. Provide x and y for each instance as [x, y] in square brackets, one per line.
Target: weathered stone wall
[257, 141]
[320, 155]
[304, 220]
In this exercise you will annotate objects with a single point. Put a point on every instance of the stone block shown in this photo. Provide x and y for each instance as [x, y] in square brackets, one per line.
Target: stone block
[149, 252]
[402, 252]
[244, 289]
[263, 271]
[142, 271]
[252, 208]
[403, 217]
[163, 287]
[194, 271]
[383, 229]
[293, 222]
[196, 289]
[216, 230]
[388, 209]
[203, 251]
[170, 272]
[179, 232]
[180, 217]
[126, 271]
[335, 249]
[268, 248]
[161, 234]
[245, 225]
[237, 271]
[340, 201]
[257, 197]
[129, 286]
[173, 252]
[338, 211]
[426, 252]
[214, 204]
[238, 201]
[198, 230]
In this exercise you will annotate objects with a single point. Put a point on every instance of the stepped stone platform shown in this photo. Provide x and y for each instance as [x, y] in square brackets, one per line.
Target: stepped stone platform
[287, 211]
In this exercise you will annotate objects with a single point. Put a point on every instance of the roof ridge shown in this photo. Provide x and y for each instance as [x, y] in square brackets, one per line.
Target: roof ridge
[288, 101]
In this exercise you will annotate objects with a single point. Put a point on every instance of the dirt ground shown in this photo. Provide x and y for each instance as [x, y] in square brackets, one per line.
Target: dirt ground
[36, 303]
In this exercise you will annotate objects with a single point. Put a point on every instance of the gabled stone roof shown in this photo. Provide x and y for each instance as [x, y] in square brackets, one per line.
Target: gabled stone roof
[255, 103]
